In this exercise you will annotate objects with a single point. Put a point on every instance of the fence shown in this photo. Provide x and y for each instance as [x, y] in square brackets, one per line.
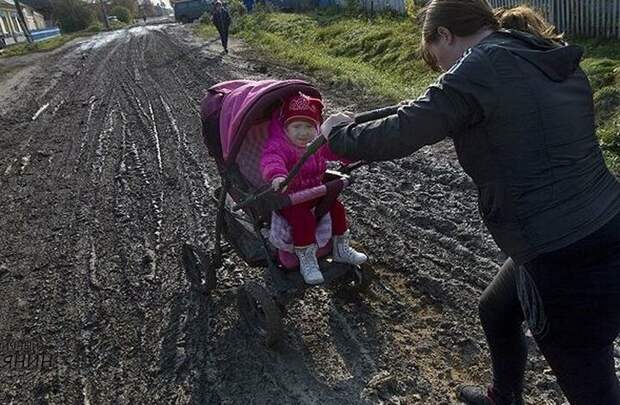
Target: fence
[590, 18]
[379, 5]
[46, 33]
[369, 5]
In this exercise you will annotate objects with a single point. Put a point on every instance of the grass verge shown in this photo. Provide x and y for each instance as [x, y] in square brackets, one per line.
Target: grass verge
[205, 30]
[23, 48]
[43, 46]
[378, 56]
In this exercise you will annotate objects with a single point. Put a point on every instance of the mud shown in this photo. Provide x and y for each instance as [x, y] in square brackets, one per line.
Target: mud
[104, 176]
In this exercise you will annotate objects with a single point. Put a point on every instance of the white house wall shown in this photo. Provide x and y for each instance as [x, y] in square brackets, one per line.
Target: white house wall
[3, 29]
[34, 20]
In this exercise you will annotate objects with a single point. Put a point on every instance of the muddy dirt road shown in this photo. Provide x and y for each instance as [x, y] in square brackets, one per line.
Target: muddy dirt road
[103, 176]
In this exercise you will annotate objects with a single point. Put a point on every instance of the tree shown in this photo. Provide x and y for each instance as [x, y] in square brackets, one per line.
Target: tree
[42, 6]
[72, 15]
[130, 5]
[122, 13]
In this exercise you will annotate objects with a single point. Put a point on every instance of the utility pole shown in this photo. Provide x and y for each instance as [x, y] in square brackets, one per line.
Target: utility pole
[105, 15]
[22, 20]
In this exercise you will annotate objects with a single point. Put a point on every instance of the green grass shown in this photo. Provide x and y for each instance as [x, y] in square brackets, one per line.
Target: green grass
[205, 30]
[602, 64]
[43, 46]
[56, 42]
[378, 57]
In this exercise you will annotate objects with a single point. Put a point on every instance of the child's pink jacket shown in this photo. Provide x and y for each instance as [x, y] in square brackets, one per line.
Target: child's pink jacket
[280, 155]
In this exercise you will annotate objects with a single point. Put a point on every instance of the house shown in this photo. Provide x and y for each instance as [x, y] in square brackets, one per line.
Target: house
[10, 27]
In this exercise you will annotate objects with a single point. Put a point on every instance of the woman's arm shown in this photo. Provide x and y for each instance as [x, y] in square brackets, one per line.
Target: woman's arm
[463, 96]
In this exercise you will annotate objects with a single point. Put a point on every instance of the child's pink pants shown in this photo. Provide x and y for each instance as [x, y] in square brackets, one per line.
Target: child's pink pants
[303, 223]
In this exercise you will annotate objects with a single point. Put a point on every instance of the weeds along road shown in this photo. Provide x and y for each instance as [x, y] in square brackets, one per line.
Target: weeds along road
[103, 176]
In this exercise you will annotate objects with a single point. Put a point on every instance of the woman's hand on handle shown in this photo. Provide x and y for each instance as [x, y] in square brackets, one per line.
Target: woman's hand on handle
[277, 183]
[335, 120]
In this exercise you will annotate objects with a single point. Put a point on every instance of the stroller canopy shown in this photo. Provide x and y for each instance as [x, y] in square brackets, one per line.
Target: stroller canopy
[243, 103]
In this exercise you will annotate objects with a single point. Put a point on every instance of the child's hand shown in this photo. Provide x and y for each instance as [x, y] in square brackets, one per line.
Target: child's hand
[277, 182]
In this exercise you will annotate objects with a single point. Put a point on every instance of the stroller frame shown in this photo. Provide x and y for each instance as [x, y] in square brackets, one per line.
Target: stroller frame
[242, 223]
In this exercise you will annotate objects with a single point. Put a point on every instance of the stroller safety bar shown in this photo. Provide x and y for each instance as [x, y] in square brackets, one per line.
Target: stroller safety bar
[310, 150]
[285, 200]
[315, 192]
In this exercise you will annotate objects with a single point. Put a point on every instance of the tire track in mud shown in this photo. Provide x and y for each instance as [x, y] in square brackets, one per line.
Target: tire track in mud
[117, 179]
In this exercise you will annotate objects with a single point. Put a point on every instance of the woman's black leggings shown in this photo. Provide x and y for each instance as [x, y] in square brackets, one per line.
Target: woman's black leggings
[570, 299]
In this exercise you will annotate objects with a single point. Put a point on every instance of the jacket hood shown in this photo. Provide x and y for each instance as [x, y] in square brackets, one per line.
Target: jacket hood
[558, 62]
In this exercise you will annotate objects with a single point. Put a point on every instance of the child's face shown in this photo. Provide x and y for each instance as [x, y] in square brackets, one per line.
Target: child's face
[301, 132]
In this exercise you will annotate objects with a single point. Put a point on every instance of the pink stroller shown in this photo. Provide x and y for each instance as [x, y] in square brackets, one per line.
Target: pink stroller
[235, 116]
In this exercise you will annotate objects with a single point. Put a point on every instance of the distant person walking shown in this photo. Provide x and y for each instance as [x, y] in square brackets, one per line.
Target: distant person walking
[221, 20]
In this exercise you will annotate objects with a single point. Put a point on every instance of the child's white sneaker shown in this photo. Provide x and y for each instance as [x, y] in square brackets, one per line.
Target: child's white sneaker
[343, 253]
[309, 265]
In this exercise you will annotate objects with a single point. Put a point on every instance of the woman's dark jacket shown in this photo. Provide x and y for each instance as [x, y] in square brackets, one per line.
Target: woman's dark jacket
[520, 112]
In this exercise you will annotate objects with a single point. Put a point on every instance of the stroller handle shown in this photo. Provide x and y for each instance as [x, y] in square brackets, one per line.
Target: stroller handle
[376, 114]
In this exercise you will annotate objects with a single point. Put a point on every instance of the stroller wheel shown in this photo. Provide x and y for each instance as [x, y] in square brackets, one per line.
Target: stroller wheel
[260, 312]
[199, 270]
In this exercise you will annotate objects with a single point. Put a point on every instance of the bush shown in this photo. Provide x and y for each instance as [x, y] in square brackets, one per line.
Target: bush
[72, 15]
[130, 5]
[205, 18]
[115, 25]
[236, 9]
[95, 27]
[122, 13]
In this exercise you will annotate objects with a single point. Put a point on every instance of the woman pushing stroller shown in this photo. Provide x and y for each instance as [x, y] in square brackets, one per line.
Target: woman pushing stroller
[293, 126]
[519, 110]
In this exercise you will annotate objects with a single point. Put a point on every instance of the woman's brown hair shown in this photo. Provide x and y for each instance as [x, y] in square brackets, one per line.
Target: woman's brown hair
[523, 18]
[467, 17]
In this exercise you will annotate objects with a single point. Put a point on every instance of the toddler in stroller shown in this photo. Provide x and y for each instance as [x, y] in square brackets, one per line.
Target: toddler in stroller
[294, 125]
[257, 132]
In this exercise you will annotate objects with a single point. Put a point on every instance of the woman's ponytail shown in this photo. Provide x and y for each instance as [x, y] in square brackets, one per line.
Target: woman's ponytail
[523, 18]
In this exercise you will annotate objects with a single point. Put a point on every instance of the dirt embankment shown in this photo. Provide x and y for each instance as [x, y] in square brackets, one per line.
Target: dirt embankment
[104, 175]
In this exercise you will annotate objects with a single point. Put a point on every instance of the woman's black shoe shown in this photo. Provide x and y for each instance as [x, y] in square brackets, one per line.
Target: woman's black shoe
[474, 395]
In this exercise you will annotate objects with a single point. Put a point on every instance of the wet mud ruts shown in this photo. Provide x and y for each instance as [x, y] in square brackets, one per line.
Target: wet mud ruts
[104, 178]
